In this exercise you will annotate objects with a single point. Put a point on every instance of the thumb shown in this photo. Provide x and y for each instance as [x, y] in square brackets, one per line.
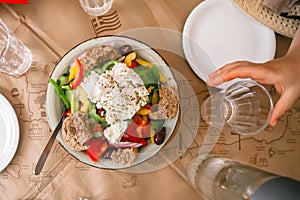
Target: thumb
[284, 103]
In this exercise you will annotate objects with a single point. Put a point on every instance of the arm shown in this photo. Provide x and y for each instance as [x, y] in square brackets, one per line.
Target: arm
[283, 73]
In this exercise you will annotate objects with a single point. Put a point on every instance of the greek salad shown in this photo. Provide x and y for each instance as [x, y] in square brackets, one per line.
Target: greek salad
[116, 102]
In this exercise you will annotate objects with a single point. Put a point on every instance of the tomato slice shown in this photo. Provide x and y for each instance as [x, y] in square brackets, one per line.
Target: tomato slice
[97, 146]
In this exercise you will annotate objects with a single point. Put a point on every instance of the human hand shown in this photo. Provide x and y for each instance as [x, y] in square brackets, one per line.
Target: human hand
[283, 73]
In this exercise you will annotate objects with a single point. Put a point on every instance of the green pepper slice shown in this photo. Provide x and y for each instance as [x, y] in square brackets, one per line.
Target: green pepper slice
[60, 93]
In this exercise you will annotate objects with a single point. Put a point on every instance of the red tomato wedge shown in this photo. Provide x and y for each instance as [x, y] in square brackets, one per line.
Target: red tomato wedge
[97, 146]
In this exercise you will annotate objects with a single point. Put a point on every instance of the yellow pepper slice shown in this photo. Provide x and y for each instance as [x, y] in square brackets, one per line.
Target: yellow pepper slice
[72, 105]
[73, 70]
[152, 133]
[130, 57]
[145, 118]
[135, 150]
[155, 97]
[162, 78]
[150, 88]
[144, 111]
[144, 62]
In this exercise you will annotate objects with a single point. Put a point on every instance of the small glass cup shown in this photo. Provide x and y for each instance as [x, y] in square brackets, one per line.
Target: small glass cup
[15, 57]
[245, 107]
[96, 7]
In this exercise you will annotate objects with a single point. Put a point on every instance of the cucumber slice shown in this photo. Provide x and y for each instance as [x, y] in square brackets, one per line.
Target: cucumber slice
[63, 79]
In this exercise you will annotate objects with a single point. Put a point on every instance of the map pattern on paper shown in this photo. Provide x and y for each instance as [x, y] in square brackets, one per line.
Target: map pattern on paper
[275, 149]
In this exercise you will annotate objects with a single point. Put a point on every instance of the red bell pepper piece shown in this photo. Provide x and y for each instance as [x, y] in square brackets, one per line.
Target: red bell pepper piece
[141, 141]
[97, 146]
[133, 64]
[67, 113]
[132, 134]
[125, 138]
[148, 106]
[79, 75]
[138, 120]
[138, 127]
[100, 112]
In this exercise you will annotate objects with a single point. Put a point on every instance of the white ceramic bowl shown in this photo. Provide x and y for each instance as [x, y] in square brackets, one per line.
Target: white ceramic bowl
[54, 105]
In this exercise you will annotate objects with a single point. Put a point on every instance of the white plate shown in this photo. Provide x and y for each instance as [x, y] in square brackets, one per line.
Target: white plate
[217, 32]
[9, 132]
[54, 104]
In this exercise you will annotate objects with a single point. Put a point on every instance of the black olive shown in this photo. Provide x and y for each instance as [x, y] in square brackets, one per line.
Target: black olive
[125, 49]
[159, 137]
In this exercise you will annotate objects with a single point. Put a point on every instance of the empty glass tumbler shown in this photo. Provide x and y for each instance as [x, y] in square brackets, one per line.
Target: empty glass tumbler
[15, 57]
[96, 7]
[245, 107]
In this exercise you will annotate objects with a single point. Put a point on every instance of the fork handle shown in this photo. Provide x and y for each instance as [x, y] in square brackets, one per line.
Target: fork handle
[41, 162]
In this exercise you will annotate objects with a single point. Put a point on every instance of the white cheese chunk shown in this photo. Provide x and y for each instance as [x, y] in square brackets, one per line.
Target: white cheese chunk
[121, 92]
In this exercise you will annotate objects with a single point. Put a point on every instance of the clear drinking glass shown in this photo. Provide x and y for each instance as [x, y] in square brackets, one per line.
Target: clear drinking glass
[96, 7]
[245, 107]
[15, 57]
[224, 179]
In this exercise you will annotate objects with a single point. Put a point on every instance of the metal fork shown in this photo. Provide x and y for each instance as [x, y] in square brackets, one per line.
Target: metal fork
[41, 162]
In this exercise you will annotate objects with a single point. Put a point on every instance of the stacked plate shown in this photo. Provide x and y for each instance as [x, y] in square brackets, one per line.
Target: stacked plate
[9, 132]
[217, 32]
